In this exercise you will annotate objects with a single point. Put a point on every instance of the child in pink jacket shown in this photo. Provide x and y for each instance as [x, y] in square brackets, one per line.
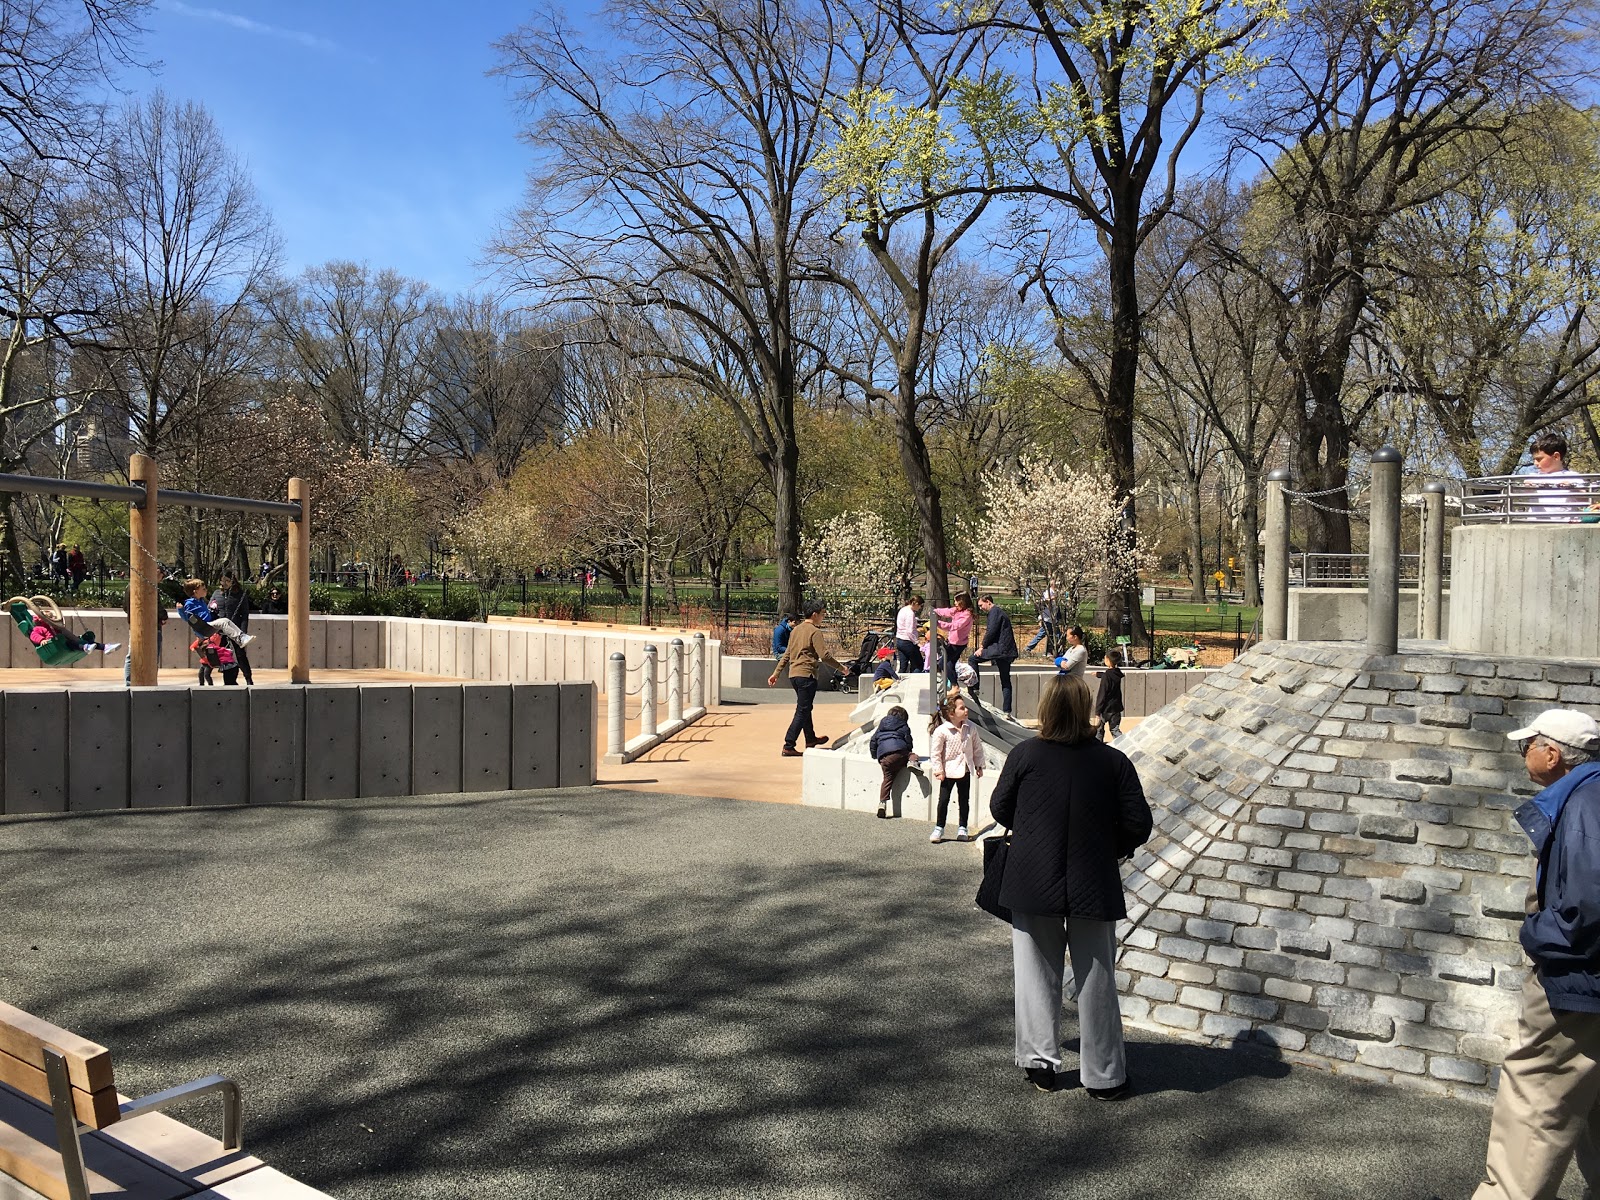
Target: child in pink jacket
[956, 757]
[955, 627]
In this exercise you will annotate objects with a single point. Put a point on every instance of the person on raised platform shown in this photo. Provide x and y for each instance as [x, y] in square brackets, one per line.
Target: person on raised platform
[1548, 1105]
[999, 647]
[1075, 807]
[1560, 502]
[1073, 662]
[905, 635]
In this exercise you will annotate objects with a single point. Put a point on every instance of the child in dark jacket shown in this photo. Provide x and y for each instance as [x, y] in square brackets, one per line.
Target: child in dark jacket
[1108, 700]
[891, 746]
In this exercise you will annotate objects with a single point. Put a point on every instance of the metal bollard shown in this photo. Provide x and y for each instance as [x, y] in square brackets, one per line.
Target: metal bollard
[675, 680]
[1275, 589]
[697, 672]
[616, 702]
[1383, 554]
[1430, 593]
[647, 693]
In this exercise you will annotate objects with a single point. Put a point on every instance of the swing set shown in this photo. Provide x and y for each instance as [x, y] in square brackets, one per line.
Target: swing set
[57, 646]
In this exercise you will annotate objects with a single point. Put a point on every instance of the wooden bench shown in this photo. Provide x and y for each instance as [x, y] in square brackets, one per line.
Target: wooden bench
[71, 1078]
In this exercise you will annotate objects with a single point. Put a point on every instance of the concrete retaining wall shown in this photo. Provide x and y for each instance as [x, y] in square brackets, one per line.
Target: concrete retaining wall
[1527, 588]
[1340, 614]
[66, 751]
[1142, 691]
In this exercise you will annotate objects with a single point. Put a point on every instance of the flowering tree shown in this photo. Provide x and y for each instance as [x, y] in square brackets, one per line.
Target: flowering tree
[855, 564]
[498, 538]
[1052, 522]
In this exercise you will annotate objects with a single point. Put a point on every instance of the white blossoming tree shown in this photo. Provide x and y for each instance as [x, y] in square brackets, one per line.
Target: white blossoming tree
[855, 564]
[1052, 522]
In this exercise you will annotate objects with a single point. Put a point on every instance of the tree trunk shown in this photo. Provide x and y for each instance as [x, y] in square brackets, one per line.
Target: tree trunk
[914, 461]
[1122, 382]
[786, 527]
[1322, 456]
[1196, 538]
[1250, 536]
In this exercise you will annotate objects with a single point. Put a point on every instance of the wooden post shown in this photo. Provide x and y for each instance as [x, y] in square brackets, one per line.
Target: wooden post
[144, 575]
[299, 584]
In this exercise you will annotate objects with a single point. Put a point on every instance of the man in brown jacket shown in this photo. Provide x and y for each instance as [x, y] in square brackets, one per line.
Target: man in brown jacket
[806, 650]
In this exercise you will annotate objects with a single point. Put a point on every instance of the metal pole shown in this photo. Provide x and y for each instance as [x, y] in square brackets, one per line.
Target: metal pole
[1383, 554]
[1275, 594]
[299, 584]
[616, 702]
[1430, 589]
[697, 671]
[144, 575]
[675, 680]
[647, 693]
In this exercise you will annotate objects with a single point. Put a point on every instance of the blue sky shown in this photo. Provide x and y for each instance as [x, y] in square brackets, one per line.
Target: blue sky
[369, 126]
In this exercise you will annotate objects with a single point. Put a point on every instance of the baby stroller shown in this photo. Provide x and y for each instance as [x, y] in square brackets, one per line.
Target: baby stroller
[865, 661]
[39, 618]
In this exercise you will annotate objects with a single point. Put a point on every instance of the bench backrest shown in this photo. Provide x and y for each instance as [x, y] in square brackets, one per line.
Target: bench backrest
[23, 1040]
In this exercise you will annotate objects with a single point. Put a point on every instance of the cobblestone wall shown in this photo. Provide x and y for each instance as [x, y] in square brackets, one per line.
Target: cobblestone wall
[1336, 871]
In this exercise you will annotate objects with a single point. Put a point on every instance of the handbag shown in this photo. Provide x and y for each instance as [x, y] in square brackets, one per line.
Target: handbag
[995, 850]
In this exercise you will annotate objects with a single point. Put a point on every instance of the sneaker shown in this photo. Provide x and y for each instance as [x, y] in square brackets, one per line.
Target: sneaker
[961, 834]
[1121, 1092]
[791, 752]
[1043, 1078]
[937, 835]
[245, 639]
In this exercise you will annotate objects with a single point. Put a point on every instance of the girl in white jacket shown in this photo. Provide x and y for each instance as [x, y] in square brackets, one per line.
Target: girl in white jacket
[956, 756]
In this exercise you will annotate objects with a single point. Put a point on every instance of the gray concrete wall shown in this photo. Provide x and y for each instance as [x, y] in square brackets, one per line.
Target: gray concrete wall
[66, 751]
[1527, 588]
[1142, 691]
[1340, 614]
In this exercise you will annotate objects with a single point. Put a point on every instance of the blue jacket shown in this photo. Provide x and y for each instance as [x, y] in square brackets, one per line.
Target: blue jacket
[1563, 936]
[893, 733]
[780, 638]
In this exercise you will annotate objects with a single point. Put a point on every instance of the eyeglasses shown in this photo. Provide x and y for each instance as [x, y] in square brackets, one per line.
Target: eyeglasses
[1525, 745]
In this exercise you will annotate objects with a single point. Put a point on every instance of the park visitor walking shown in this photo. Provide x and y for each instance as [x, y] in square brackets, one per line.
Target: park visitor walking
[1548, 1105]
[905, 634]
[955, 629]
[891, 746]
[805, 650]
[1074, 807]
[956, 757]
[999, 647]
[1108, 699]
[1047, 620]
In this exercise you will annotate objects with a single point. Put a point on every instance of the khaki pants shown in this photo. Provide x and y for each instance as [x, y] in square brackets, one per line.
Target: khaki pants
[1548, 1105]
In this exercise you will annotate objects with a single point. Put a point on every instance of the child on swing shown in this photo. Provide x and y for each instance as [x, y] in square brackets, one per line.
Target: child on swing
[198, 613]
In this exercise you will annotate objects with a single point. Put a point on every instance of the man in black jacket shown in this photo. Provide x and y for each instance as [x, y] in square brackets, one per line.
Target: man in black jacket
[999, 647]
[1548, 1105]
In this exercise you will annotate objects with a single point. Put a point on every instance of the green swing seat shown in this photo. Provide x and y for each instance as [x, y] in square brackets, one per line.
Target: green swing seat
[62, 649]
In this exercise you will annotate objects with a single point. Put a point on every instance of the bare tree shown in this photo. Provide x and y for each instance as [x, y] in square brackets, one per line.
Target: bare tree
[674, 177]
[188, 243]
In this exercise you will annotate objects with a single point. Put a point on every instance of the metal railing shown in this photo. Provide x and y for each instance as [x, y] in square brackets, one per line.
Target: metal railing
[1561, 498]
[1348, 570]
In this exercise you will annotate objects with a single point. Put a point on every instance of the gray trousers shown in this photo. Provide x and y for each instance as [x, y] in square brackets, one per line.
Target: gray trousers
[1039, 945]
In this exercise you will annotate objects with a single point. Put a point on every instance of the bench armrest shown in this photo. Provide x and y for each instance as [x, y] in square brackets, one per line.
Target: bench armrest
[232, 1119]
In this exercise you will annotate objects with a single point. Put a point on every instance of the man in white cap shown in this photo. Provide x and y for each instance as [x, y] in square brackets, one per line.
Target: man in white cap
[1548, 1105]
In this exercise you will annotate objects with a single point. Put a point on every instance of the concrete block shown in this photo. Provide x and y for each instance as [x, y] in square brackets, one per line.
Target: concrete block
[431, 637]
[385, 738]
[412, 661]
[483, 655]
[277, 745]
[219, 744]
[435, 739]
[319, 642]
[485, 738]
[366, 644]
[576, 758]
[175, 653]
[538, 671]
[98, 736]
[158, 748]
[446, 663]
[333, 742]
[535, 735]
[36, 751]
[572, 659]
[517, 655]
[822, 779]
[340, 649]
[500, 656]
[464, 651]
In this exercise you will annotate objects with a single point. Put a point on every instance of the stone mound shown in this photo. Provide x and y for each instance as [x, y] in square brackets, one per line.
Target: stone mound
[1336, 872]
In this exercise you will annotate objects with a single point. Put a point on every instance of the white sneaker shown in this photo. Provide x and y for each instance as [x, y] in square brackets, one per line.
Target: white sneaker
[961, 833]
[245, 639]
[937, 835]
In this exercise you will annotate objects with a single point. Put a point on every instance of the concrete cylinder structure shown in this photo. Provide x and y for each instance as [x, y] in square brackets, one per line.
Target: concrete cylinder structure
[647, 693]
[697, 671]
[143, 576]
[299, 584]
[1430, 588]
[1383, 553]
[675, 680]
[616, 703]
[1275, 578]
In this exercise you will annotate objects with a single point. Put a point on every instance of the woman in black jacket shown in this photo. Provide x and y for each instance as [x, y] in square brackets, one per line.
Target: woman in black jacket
[233, 602]
[1075, 807]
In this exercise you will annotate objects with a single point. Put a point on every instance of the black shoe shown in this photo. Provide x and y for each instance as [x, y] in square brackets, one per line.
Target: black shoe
[791, 752]
[883, 814]
[1043, 1078]
[1121, 1092]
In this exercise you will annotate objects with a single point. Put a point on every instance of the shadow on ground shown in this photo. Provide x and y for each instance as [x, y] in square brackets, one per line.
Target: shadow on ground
[598, 993]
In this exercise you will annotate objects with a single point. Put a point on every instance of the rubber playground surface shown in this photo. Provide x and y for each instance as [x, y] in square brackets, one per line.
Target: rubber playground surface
[601, 992]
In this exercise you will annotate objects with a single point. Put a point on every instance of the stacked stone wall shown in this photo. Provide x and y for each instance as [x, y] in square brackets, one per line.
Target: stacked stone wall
[1336, 872]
